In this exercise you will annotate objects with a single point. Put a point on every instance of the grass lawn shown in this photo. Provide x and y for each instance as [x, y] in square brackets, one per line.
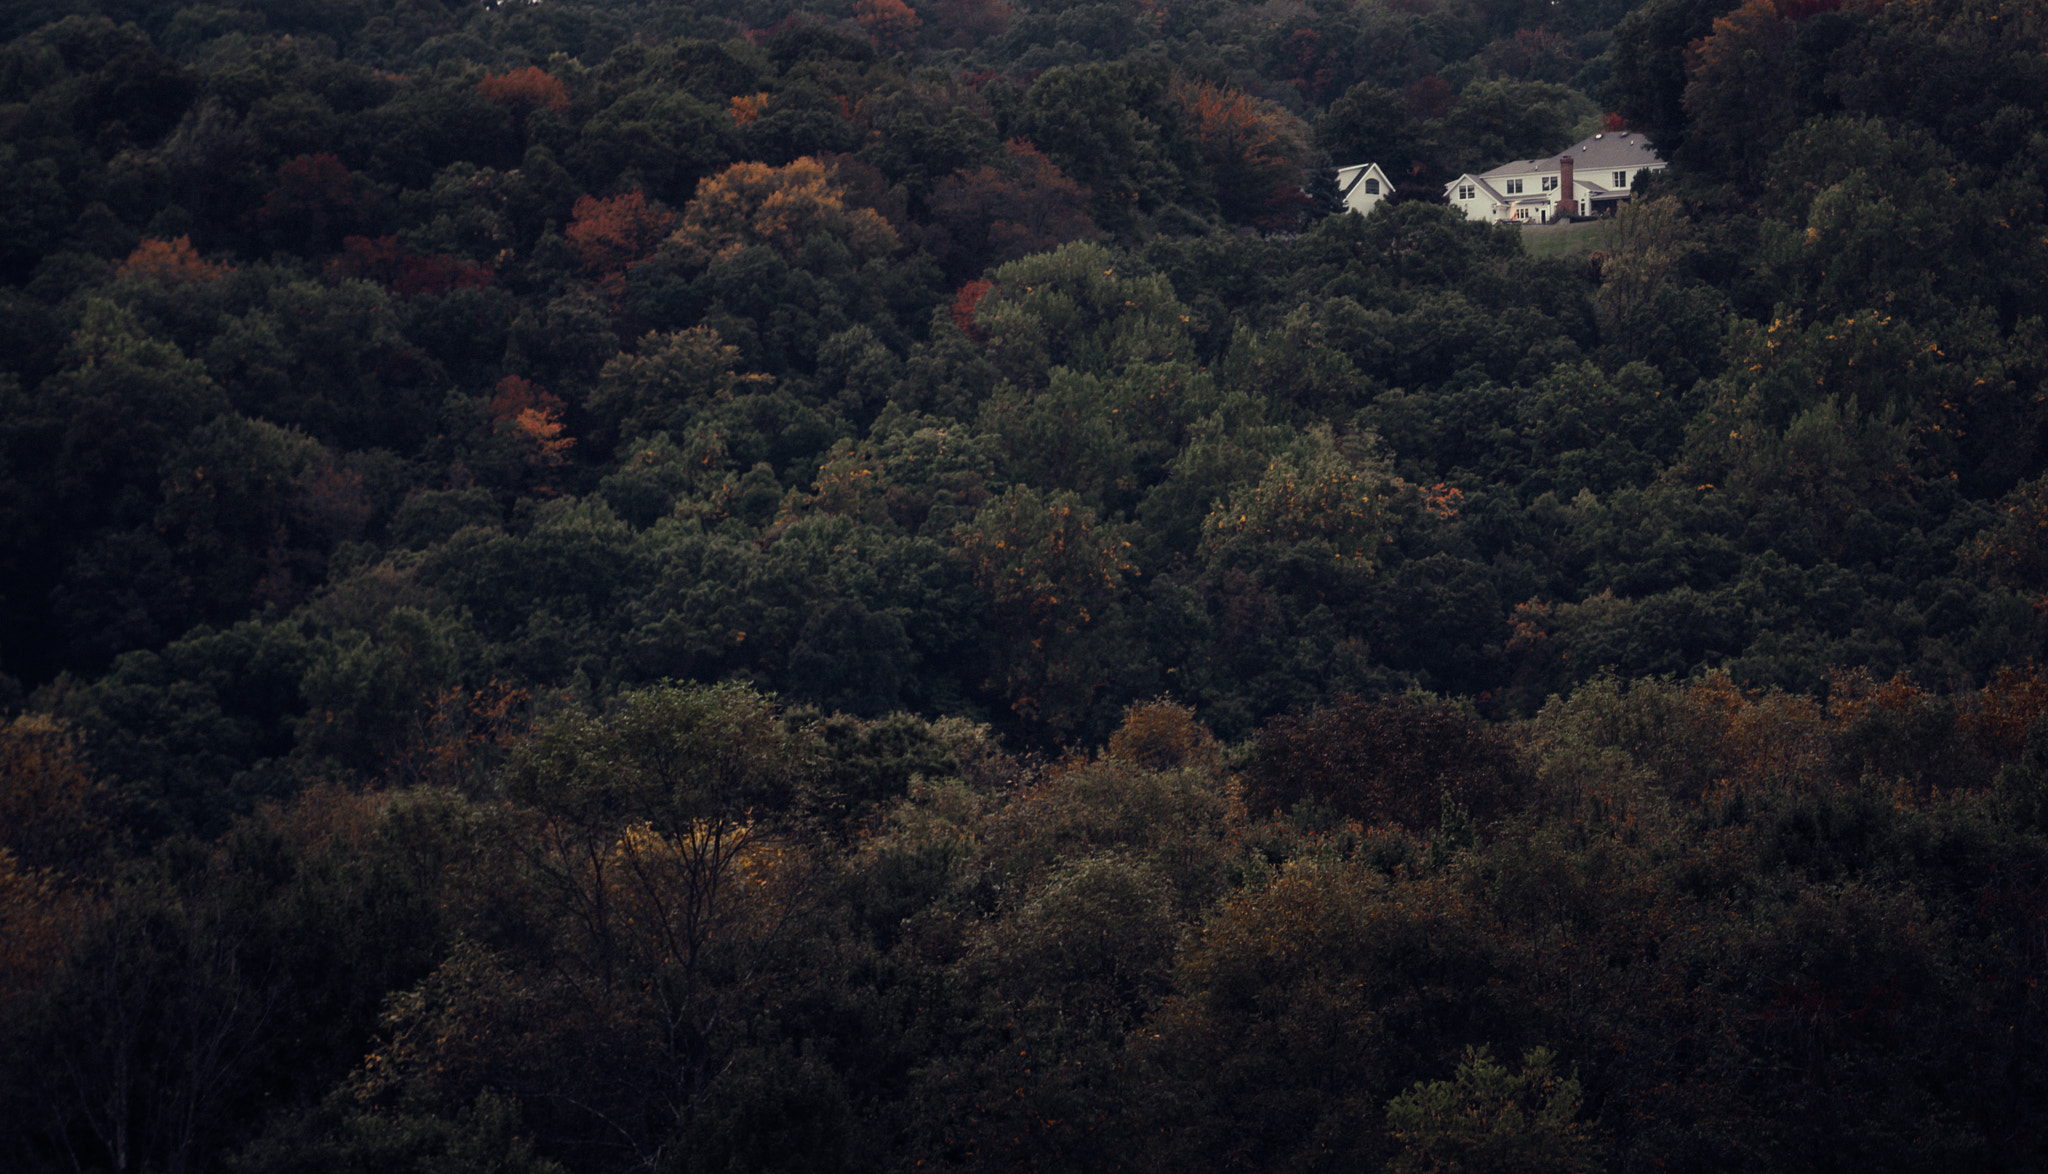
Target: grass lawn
[1567, 240]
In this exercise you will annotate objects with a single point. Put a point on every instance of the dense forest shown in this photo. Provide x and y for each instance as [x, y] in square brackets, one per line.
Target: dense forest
[792, 585]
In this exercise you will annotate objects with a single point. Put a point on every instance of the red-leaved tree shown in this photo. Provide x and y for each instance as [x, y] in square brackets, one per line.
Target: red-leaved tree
[613, 234]
[966, 302]
[995, 214]
[380, 259]
[316, 198]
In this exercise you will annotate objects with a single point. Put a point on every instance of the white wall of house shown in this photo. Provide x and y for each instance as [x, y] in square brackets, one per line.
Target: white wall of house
[1467, 194]
[1529, 191]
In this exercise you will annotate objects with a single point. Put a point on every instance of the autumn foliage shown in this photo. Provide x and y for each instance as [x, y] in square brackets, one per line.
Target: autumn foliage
[1251, 146]
[1024, 205]
[1163, 735]
[1429, 97]
[891, 24]
[1384, 761]
[54, 813]
[172, 262]
[315, 196]
[526, 410]
[382, 260]
[1315, 68]
[966, 301]
[1739, 87]
[746, 108]
[611, 234]
[526, 90]
[783, 208]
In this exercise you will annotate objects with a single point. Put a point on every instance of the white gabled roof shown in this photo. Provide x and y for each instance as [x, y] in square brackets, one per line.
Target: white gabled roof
[1350, 177]
[1478, 181]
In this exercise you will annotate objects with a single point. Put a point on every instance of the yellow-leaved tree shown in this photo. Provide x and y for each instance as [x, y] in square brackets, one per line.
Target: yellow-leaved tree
[1324, 497]
[784, 208]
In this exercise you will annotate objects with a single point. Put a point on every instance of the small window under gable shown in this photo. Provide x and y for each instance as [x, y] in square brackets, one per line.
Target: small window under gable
[1465, 191]
[1372, 187]
[1514, 187]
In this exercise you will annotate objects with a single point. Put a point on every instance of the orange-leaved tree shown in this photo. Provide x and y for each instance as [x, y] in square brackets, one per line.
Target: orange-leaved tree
[783, 208]
[172, 262]
[891, 24]
[746, 108]
[54, 813]
[612, 234]
[532, 417]
[525, 90]
[1253, 148]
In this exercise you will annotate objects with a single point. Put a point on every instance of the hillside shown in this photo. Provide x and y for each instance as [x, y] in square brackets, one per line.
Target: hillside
[762, 585]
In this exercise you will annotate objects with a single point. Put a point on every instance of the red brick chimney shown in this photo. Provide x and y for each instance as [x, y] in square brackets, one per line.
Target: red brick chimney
[1568, 201]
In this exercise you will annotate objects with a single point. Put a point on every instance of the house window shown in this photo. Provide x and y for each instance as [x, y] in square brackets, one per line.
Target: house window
[1514, 187]
[1372, 187]
[1621, 179]
[1549, 183]
[1465, 191]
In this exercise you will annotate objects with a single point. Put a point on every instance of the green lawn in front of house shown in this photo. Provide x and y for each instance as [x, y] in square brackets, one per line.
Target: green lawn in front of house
[1567, 240]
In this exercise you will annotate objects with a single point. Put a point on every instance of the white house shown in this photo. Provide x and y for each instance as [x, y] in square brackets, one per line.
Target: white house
[1596, 172]
[1363, 186]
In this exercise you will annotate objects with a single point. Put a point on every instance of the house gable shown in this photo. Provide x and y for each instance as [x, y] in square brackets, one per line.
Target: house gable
[1363, 186]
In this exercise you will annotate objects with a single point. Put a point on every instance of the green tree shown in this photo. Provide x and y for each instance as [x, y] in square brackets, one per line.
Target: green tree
[1304, 1003]
[1486, 1120]
[1500, 119]
[658, 897]
[328, 359]
[666, 382]
[1073, 308]
[1115, 130]
[1648, 85]
[1051, 571]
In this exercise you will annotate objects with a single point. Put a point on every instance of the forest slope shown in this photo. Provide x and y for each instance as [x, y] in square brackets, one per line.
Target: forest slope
[474, 475]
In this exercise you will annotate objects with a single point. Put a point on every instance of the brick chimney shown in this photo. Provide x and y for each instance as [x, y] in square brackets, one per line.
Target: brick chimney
[1568, 201]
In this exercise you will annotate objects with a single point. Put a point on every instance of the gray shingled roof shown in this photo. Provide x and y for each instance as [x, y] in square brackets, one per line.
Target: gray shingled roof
[1608, 151]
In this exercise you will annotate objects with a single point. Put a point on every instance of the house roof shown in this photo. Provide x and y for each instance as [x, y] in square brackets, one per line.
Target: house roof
[1608, 150]
[1350, 177]
[1484, 186]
